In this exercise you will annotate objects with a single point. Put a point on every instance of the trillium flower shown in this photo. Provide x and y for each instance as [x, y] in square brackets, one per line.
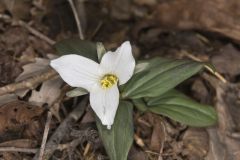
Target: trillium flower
[101, 80]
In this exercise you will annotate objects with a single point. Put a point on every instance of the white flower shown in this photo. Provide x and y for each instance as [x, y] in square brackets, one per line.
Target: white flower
[101, 80]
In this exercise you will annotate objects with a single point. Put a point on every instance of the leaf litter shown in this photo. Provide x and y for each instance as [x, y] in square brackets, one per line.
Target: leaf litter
[156, 29]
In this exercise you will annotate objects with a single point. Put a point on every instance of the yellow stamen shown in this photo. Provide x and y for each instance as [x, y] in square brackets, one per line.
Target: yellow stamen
[108, 80]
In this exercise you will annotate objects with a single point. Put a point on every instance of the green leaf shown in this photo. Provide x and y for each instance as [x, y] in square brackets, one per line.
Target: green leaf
[159, 76]
[77, 92]
[143, 65]
[119, 139]
[77, 46]
[140, 104]
[181, 108]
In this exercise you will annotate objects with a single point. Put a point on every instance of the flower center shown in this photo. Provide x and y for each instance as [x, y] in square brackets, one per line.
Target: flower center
[108, 80]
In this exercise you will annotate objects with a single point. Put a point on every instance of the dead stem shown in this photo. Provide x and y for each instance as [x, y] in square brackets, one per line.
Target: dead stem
[36, 32]
[218, 75]
[28, 83]
[29, 28]
[62, 130]
[77, 19]
[15, 149]
[45, 135]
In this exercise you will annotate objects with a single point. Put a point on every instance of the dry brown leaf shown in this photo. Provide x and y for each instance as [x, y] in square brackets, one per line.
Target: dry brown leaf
[9, 68]
[136, 154]
[227, 61]
[19, 119]
[28, 55]
[158, 135]
[220, 16]
[40, 66]
[88, 117]
[195, 141]
[201, 92]
[48, 93]
[222, 144]
[119, 12]
[32, 69]
[18, 9]
[7, 98]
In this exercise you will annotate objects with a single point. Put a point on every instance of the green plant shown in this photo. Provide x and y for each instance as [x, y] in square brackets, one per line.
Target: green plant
[151, 88]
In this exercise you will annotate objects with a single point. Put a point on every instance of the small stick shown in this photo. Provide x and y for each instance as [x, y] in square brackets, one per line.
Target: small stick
[16, 149]
[62, 130]
[28, 83]
[218, 75]
[77, 19]
[45, 135]
[36, 33]
[29, 28]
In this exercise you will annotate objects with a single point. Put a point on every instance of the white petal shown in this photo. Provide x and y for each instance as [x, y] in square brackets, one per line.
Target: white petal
[77, 71]
[105, 103]
[121, 62]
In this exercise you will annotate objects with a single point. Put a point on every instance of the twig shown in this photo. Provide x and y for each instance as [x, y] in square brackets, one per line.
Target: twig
[45, 135]
[62, 130]
[36, 33]
[218, 75]
[15, 149]
[29, 28]
[28, 83]
[82, 135]
[77, 19]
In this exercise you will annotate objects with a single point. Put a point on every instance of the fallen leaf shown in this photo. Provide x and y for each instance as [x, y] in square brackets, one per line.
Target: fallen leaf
[9, 69]
[227, 60]
[136, 154]
[48, 93]
[221, 16]
[19, 119]
[158, 135]
[195, 141]
[7, 98]
[119, 12]
[18, 9]
[222, 144]
[41, 65]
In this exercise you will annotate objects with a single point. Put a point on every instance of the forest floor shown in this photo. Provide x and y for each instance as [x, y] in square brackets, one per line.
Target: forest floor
[207, 31]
